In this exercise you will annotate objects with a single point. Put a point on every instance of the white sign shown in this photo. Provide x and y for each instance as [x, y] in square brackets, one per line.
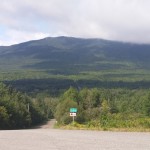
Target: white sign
[72, 114]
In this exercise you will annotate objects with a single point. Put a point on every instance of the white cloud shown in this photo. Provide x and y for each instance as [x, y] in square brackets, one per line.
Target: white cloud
[14, 37]
[124, 20]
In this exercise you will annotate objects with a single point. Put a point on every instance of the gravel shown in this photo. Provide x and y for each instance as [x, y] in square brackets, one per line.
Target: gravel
[54, 139]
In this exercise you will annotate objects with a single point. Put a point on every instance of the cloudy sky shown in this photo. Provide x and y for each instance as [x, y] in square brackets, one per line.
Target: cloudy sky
[123, 20]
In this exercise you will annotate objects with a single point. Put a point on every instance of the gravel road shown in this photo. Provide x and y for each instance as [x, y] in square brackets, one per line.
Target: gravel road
[49, 125]
[54, 139]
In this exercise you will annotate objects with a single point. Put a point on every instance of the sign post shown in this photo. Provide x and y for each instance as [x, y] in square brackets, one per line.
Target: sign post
[73, 112]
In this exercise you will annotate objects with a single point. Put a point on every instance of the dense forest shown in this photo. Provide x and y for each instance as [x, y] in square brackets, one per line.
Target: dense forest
[106, 108]
[98, 108]
[17, 110]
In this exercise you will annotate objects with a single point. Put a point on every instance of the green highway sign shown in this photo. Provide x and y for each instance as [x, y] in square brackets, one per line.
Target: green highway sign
[73, 110]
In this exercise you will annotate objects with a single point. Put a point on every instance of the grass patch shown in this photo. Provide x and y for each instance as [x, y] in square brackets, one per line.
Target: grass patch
[135, 125]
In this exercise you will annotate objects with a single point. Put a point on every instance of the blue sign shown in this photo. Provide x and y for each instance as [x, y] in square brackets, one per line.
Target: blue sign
[73, 110]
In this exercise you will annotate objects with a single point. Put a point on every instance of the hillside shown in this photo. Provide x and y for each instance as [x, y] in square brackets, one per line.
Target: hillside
[69, 58]
[74, 53]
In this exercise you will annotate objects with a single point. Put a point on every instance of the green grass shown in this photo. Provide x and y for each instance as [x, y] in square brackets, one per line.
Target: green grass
[134, 125]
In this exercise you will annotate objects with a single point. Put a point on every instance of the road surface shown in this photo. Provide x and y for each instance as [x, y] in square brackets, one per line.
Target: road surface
[53, 139]
[49, 125]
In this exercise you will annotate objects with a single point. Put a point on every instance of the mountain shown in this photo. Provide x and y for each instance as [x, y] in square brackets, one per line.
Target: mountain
[74, 53]
[56, 63]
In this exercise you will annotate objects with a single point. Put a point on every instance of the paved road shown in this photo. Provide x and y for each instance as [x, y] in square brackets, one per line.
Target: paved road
[54, 139]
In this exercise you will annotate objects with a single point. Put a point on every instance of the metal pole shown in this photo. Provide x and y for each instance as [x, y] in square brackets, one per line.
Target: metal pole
[73, 119]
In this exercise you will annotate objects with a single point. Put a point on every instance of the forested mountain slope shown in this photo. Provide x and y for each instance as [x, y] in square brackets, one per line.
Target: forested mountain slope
[69, 53]
[56, 63]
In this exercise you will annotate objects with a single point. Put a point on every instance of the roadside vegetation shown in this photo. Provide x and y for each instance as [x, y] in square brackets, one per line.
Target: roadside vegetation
[103, 109]
[17, 110]
[98, 109]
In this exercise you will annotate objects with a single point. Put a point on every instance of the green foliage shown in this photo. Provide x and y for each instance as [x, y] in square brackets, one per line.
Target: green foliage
[17, 110]
[4, 117]
[63, 109]
[147, 106]
[71, 94]
[106, 109]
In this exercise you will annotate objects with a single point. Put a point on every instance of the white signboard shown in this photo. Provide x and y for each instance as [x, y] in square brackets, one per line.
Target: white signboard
[72, 114]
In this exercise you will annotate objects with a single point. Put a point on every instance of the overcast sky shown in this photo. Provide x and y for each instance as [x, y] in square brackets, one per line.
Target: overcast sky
[123, 20]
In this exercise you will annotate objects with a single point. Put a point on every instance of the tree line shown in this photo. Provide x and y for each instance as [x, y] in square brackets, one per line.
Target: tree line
[56, 86]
